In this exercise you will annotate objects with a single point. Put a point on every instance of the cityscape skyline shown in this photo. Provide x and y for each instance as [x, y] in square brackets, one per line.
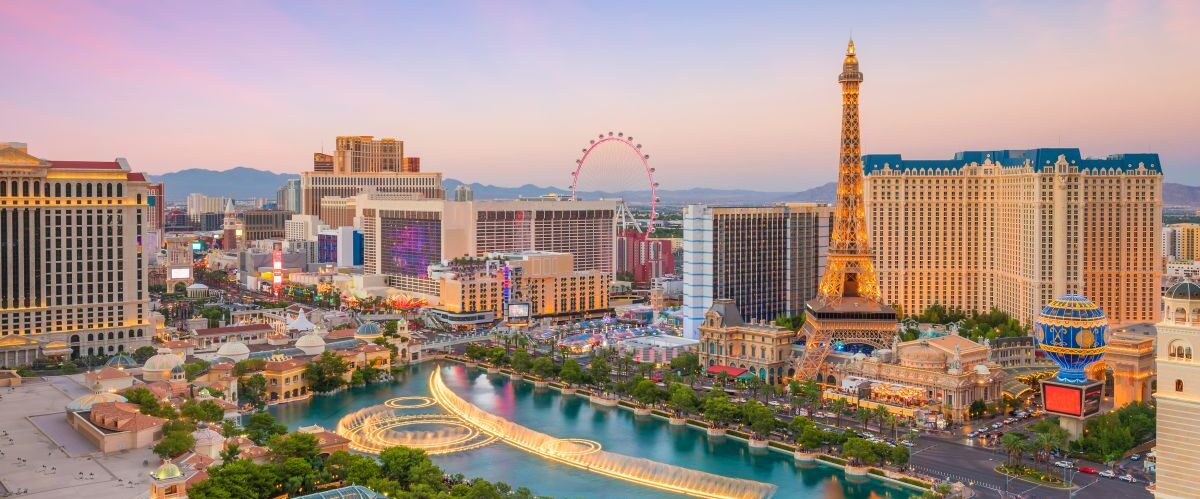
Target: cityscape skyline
[552, 76]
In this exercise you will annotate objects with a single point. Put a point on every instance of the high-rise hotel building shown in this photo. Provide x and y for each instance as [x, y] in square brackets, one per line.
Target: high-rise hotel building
[1013, 229]
[72, 269]
[403, 236]
[361, 162]
[767, 259]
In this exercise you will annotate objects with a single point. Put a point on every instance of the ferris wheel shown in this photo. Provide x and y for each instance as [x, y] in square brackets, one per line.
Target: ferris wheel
[613, 166]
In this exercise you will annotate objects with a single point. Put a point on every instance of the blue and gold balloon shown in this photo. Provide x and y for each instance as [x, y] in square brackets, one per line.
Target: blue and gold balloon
[1073, 332]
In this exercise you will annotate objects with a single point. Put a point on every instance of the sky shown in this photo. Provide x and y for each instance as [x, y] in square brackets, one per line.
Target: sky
[720, 94]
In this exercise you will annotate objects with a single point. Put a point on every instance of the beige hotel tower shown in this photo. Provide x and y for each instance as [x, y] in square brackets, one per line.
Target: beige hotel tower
[72, 270]
[1013, 229]
[1178, 395]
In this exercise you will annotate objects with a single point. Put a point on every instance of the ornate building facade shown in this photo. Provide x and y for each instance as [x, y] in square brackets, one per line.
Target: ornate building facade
[759, 347]
[1017, 228]
[72, 268]
[1178, 395]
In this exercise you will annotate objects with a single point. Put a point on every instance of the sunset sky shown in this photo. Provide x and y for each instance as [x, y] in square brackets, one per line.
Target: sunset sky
[722, 94]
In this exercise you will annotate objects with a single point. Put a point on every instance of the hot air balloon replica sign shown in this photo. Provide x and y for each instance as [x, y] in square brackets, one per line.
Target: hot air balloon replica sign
[1073, 332]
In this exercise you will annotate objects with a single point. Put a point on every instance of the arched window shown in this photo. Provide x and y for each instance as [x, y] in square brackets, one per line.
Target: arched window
[108, 189]
[120, 335]
[57, 190]
[1179, 385]
[120, 190]
[90, 338]
[110, 335]
[89, 189]
[74, 338]
[1180, 315]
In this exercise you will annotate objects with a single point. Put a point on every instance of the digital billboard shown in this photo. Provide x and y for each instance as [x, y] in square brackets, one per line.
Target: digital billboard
[1062, 399]
[518, 311]
[1091, 399]
[184, 273]
[197, 245]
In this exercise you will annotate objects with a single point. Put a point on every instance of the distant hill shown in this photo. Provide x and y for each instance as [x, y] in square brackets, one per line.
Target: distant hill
[247, 183]
[1181, 195]
[239, 183]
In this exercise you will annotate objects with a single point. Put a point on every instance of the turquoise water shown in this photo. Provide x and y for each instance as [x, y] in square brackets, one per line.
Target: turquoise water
[547, 411]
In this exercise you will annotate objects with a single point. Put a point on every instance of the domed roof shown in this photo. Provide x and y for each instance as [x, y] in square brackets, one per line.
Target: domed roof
[368, 330]
[205, 435]
[310, 340]
[163, 361]
[233, 349]
[1184, 291]
[86, 402]
[121, 361]
[922, 356]
[1071, 308]
[178, 369]
[167, 471]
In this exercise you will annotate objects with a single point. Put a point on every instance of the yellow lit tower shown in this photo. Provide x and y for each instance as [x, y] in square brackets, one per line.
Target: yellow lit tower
[847, 306]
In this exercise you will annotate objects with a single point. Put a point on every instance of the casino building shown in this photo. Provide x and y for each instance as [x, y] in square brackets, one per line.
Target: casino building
[1178, 395]
[72, 270]
[1017, 228]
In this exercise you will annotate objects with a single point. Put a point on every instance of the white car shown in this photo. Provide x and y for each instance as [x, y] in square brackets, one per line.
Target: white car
[906, 443]
[1107, 474]
[996, 426]
[1135, 457]
[1128, 478]
[1064, 464]
[973, 434]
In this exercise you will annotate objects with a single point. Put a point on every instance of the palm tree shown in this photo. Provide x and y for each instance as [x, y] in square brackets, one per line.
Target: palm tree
[864, 415]
[839, 408]
[881, 412]
[1044, 443]
[1014, 444]
[890, 420]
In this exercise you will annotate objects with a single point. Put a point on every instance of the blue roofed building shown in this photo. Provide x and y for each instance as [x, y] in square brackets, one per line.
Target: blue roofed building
[1015, 228]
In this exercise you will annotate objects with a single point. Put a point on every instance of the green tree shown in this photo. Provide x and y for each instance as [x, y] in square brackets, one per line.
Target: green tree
[647, 393]
[296, 475]
[899, 455]
[293, 445]
[522, 362]
[599, 371]
[240, 479]
[253, 390]
[686, 363]
[977, 409]
[260, 427]
[760, 417]
[229, 453]
[173, 444]
[243, 367]
[571, 373]
[859, 451]
[142, 354]
[863, 415]
[719, 410]
[325, 372]
[206, 410]
[1014, 445]
[543, 367]
[410, 467]
[231, 429]
[839, 406]
[792, 322]
[683, 399]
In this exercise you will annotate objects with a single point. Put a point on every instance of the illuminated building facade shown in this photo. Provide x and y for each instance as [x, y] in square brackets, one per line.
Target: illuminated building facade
[199, 204]
[767, 259]
[847, 307]
[1017, 228]
[759, 347]
[264, 224]
[1178, 395]
[478, 291]
[402, 237]
[362, 162]
[72, 268]
[338, 211]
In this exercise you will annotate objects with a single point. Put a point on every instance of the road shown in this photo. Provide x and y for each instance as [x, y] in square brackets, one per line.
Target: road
[957, 461]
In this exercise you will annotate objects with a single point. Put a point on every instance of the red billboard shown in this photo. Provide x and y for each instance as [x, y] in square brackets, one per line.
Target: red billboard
[1062, 399]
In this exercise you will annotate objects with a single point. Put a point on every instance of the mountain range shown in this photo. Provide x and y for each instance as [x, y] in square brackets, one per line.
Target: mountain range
[248, 183]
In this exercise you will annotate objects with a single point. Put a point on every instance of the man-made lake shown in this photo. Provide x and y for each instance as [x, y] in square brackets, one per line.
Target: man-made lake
[618, 430]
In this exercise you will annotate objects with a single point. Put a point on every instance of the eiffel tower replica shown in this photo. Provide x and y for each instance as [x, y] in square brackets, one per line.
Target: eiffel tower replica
[847, 306]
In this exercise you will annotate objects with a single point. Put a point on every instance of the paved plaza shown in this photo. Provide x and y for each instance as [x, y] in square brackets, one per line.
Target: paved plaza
[42, 454]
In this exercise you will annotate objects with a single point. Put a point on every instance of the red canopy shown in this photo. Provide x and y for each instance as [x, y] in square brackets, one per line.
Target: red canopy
[733, 372]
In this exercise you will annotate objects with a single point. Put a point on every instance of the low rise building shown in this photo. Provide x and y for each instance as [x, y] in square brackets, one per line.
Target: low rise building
[657, 349]
[758, 347]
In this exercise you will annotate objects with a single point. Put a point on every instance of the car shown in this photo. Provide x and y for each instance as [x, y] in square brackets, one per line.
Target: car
[1087, 469]
[1107, 474]
[972, 434]
[1135, 457]
[1064, 464]
[907, 443]
[996, 426]
[1127, 478]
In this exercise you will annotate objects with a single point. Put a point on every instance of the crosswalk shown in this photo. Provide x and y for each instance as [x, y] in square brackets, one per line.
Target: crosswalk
[959, 478]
